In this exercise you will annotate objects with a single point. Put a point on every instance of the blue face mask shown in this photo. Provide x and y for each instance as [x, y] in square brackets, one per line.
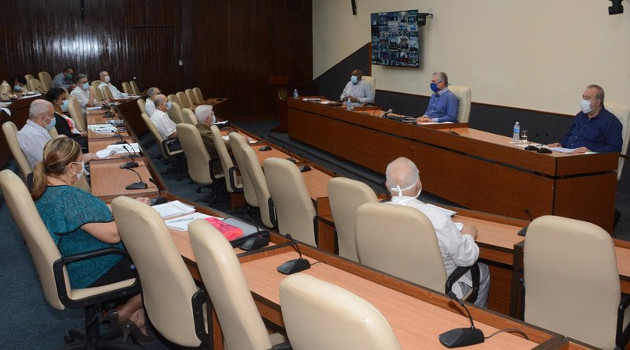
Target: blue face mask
[169, 105]
[85, 86]
[17, 88]
[434, 87]
[354, 79]
[52, 124]
[64, 105]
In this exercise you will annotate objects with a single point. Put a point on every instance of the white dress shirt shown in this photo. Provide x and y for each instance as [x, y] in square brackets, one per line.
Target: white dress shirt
[362, 90]
[457, 249]
[115, 92]
[163, 123]
[32, 139]
[149, 107]
[83, 96]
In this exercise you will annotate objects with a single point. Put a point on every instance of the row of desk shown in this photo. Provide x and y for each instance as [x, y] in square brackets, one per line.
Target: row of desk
[472, 168]
[417, 315]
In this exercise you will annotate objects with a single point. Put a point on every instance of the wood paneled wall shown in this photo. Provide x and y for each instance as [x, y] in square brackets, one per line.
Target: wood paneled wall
[227, 48]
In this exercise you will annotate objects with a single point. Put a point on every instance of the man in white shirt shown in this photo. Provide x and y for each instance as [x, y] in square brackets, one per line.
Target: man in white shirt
[149, 104]
[164, 124]
[84, 93]
[34, 135]
[458, 247]
[357, 90]
[105, 82]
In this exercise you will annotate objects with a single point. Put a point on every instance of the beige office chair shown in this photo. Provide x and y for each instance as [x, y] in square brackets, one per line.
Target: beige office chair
[76, 113]
[198, 95]
[162, 143]
[126, 88]
[200, 164]
[45, 79]
[572, 283]
[35, 85]
[51, 266]
[134, 87]
[98, 94]
[257, 177]
[346, 196]
[28, 77]
[175, 113]
[401, 241]
[233, 181]
[107, 92]
[174, 98]
[295, 211]
[10, 134]
[141, 104]
[172, 301]
[320, 315]
[622, 112]
[463, 95]
[191, 96]
[240, 321]
[237, 143]
[372, 82]
[188, 116]
[184, 101]
[95, 83]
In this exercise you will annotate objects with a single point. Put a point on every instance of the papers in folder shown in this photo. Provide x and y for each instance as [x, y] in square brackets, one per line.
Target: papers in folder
[173, 208]
[102, 128]
[181, 223]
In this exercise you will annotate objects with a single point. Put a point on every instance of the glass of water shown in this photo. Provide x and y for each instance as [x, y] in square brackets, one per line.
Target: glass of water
[524, 136]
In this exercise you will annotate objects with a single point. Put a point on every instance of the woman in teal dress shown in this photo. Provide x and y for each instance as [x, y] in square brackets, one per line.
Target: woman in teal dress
[80, 222]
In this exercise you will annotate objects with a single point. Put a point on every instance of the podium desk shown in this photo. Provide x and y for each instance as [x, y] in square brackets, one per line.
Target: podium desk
[472, 168]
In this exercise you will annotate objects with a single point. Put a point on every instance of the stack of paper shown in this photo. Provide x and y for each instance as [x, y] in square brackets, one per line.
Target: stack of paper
[124, 148]
[104, 128]
[181, 223]
[173, 208]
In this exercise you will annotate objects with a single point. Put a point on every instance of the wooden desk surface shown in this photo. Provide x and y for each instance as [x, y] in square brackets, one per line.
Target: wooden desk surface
[416, 323]
[108, 180]
[95, 145]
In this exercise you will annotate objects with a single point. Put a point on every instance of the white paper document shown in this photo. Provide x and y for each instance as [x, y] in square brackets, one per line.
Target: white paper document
[173, 208]
[102, 128]
[562, 149]
[181, 223]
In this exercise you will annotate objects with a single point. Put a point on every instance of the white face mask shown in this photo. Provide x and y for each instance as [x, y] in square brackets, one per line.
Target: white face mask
[585, 106]
[107, 79]
[79, 175]
[401, 190]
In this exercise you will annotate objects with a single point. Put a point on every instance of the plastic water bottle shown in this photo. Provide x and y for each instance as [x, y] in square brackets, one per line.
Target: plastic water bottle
[295, 93]
[349, 105]
[516, 133]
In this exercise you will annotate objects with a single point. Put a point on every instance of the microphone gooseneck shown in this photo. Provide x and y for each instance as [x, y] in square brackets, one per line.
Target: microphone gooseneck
[459, 337]
[294, 265]
[140, 185]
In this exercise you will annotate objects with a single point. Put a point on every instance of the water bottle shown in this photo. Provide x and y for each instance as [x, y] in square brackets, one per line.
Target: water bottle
[349, 105]
[295, 93]
[516, 133]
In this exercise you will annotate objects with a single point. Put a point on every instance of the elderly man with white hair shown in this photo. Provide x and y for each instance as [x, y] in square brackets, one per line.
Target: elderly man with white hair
[149, 104]
[205, 119]
[458, 247]
[106, 82]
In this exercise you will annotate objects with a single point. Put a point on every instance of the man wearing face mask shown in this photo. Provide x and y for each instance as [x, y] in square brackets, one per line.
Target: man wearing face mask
[149, 105]
[206, 118]
[164, 124]
[357, 90]
[594, 128]
[458, 248]
[106, 82]
[64, 79]
[443, 104]
[84, 93]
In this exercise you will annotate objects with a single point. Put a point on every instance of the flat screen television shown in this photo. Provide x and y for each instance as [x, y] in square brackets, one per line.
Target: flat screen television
[395, 39]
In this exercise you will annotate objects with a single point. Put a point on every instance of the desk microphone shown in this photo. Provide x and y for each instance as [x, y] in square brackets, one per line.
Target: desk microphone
[386, 113]
[130, 164]
[295, 265]
[545, 149]
[459, 337]
[523, 231]
[136, 185]
[122, 140]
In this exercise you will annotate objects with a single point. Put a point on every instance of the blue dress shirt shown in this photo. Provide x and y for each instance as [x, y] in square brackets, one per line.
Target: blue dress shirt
[443, 106]
[601, 133]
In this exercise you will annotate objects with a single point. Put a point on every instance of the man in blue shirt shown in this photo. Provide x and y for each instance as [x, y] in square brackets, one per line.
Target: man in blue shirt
[443, 104]
[594, 128]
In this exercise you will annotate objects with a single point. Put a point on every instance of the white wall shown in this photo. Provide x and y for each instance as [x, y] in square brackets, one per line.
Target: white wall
[534, 54]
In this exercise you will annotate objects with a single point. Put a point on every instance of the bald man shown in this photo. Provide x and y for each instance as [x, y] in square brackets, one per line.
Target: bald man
[106, 82]
[164, 124]
[34, 135]
[357, 90]
[458, 248]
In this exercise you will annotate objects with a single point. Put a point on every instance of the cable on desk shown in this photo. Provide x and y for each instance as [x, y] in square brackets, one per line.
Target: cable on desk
[509, 330]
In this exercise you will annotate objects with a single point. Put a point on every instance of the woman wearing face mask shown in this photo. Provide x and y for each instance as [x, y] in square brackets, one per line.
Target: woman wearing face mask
[64, 124]
[84, 93]
[18, 84]
[80, 222]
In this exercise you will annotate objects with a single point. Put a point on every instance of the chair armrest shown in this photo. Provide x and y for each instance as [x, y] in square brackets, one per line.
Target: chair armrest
[623, 335]
[458, 273]
[282, 346]
[166, 145]
[60, 281]
[232, 174]
[211, 164]
[199, 299]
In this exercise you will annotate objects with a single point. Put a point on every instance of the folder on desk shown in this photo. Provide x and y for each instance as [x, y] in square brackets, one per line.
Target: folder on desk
[248, 230]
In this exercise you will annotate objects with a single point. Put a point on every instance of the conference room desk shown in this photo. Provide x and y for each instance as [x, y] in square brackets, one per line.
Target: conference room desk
[95, 145]
[472, 168]
[109, 180]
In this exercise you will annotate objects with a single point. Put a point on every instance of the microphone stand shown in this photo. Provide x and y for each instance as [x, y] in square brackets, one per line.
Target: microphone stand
[136, 185]
[130, 164]
[459, 337]
[295, 265]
